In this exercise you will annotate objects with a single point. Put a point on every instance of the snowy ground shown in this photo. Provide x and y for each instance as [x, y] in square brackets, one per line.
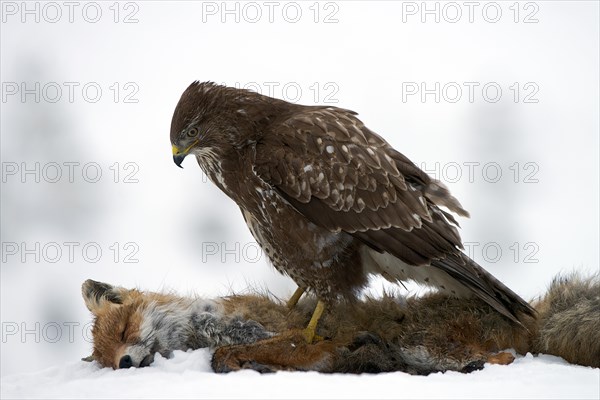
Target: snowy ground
[148, 224]
[188, 375]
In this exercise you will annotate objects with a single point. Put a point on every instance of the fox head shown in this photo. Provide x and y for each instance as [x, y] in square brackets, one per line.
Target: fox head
[124, 336]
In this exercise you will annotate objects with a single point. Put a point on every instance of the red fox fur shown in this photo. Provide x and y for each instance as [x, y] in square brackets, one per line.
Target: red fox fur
[416, 335]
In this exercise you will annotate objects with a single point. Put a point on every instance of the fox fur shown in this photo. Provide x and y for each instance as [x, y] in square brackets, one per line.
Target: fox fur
[418, 335]
[131, 326]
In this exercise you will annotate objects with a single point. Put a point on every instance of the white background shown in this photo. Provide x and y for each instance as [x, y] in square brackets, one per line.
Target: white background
[366, 56]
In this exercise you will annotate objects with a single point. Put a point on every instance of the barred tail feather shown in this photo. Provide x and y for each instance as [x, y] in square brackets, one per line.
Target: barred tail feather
[485, 286]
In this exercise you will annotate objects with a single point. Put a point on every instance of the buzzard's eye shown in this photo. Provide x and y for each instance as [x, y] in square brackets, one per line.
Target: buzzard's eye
[192, 132]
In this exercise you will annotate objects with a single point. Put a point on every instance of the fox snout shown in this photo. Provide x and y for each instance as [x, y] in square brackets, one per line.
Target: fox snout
[137, 356]
[127, 361]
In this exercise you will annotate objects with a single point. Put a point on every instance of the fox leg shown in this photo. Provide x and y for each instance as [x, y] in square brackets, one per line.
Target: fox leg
[288, 352]
[502, 358]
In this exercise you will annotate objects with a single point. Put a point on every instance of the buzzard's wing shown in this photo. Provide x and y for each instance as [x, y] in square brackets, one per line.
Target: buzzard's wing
[342, 176]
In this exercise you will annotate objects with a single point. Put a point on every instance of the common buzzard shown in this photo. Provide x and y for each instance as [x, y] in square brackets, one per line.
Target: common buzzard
[328, 200]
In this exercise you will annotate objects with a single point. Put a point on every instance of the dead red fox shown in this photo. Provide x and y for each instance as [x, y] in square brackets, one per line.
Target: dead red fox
[416, 335]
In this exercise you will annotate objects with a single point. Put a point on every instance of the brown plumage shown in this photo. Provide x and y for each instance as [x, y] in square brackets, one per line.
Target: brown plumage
[327, 199]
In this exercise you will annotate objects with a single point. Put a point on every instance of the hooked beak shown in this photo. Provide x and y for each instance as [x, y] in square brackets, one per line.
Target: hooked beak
[179, 156]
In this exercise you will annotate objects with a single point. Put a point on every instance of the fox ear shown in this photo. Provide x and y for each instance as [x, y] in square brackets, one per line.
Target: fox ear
[96, 294]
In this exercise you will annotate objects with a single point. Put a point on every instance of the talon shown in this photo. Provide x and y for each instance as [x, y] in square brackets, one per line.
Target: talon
[310, 331]
[311, 336]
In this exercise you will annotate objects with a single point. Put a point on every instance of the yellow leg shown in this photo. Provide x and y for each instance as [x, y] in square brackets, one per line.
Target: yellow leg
[295, 297]
[310, 330]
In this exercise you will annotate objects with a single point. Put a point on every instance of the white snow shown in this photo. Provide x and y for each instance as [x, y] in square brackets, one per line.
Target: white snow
[188, 375]
[160, 227]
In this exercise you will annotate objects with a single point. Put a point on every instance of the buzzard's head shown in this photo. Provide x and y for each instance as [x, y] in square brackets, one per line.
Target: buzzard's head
[211, 119]
[195, 125]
